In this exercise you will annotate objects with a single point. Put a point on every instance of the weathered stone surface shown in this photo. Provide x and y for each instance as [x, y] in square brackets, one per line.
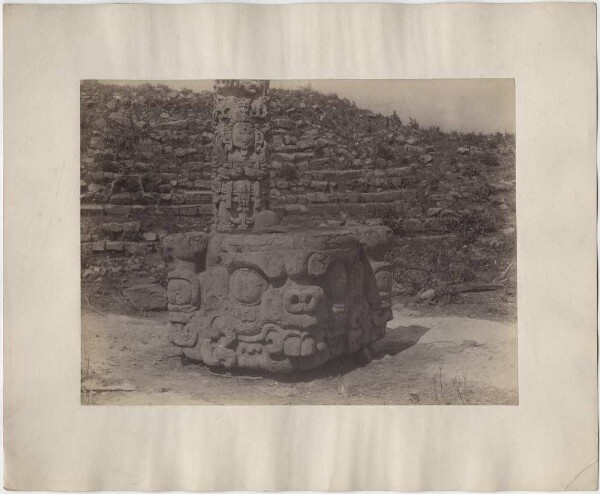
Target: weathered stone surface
[114, 227]
[305, 144]
[147, 297]
[349, 174]
[92, 210]
[318, 197]
[189, 246]
[275, 299]
[188, 210]
[120, 119]
[197, 197]
[284, 123]
[86, 249]
[120, 198]
[115, 246]
[280, 301]
[320, 185]
[117, 210]
[425, 159]
[174, 124]
[241, 178]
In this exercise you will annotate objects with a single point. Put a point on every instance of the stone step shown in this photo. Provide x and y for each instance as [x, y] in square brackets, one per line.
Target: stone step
[350, 209]
[398, 195]
[344, 175]
[198, 197]
[117, 210]
[425, 225]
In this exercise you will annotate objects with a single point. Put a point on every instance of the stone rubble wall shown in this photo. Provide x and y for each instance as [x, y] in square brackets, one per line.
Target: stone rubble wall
[146, 168]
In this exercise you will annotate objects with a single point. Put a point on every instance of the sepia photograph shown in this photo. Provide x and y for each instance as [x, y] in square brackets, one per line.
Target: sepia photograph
[363, 230]
[298, 242]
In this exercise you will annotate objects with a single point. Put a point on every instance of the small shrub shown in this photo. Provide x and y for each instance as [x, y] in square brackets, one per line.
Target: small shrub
[384, 151]
[490, 159]
[472, 224]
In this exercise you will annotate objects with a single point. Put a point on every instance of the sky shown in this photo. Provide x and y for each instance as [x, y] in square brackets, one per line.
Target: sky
[465, 105]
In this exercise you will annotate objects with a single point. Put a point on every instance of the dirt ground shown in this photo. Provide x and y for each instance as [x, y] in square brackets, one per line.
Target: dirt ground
[423, 360]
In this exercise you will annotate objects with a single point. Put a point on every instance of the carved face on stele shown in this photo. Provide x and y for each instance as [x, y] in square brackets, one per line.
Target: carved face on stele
[243, 135]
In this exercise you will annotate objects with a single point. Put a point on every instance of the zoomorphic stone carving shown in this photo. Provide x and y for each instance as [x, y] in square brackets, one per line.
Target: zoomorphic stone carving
[279, 301]
[255, 294]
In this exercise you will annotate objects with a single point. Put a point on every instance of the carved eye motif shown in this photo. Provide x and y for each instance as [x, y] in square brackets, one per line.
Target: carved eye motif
[179, 292]
[247, 286]
[336, 280]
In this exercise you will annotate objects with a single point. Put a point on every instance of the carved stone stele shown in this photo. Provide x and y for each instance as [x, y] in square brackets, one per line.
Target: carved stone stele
[240, 174]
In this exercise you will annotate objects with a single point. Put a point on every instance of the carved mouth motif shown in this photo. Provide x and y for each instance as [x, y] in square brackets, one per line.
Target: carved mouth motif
[289, 342]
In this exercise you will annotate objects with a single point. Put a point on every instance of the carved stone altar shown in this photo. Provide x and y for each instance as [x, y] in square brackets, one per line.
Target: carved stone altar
[272, 298]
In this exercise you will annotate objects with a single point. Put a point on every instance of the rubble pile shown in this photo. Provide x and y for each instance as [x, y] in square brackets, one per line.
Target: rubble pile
[146, 172]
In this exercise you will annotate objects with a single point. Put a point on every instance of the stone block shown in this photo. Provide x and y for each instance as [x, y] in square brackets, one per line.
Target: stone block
[173, 125]
[203, 184]
[284, 123]
[349, 174]
[319, 162]
[188, 210]
[115, 246]
[117, 210]
[305, 144]
[132, 248]
[205, 209]
[91, 210]
[348, 196]
[303, 156]
[197, 197]
[321, 175]
[317, 197]
[138, 210]
[112, 227]
[170, 211]
[284, 157]
[302, 166]
[99, 246]
[425, 159]
[321, 185]
[384, 196]
[414, 150]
